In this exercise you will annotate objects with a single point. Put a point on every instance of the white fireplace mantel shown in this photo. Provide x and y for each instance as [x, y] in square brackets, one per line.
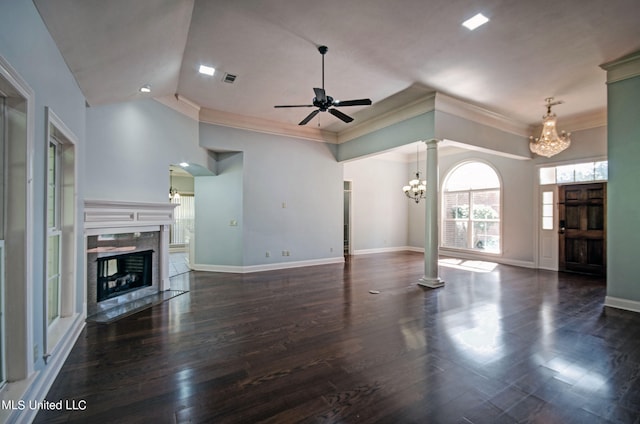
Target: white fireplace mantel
[112, 214]
[110, 217]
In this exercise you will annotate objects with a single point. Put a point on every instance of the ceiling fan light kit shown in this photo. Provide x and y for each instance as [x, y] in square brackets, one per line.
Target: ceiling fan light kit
[325, 103]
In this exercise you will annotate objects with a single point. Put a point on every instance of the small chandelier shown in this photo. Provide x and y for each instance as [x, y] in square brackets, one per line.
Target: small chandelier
[417, 188]
[549, 143]
[173, 192]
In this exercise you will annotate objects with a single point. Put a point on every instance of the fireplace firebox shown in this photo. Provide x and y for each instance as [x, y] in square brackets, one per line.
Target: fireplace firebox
[121, 274]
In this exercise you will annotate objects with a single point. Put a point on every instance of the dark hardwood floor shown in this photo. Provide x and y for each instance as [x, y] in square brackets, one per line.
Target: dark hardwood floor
[495, 345]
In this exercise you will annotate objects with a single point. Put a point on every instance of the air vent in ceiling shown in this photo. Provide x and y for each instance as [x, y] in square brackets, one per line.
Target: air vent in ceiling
[229, 78]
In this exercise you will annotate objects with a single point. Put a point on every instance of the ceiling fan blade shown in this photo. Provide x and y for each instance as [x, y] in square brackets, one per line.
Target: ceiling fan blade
[309, 117]
[293, 106]
[340, 115]
[320, 94]
[357, 102]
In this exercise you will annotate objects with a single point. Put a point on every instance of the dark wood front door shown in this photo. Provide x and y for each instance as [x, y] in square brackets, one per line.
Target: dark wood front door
[582, 214]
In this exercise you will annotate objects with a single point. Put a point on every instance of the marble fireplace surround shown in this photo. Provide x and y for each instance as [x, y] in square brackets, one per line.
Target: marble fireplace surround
[151, 220]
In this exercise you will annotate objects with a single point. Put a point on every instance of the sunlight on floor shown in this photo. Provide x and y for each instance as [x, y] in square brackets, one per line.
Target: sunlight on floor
[474, 266]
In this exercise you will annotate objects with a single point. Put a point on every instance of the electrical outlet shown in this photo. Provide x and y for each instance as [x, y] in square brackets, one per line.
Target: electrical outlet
[36, 352]
[284, 253]
[268, 254]
[284, 205]
[233, 223]
[331, 249]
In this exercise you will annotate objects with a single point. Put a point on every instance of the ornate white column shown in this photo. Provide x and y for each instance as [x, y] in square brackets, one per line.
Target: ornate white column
[430, 278]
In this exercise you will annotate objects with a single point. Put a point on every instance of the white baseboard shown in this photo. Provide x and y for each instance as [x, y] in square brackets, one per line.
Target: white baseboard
[266, 267]
[619, 303]
[381, 250]
[44, 378]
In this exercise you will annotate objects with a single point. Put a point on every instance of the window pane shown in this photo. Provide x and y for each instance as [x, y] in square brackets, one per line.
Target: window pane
[584, 171]
[472, 176]
[51, 186]
[53, 299]
[547, 176]
[547, 210]
[53, 255]
[486, 204]
[547, 223]
[456, 205]
[547, 197]
[601, 171]
[454, 234]
[486, 236]
[564, 174]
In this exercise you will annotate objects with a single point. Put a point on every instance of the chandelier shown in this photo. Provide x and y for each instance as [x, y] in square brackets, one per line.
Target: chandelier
[417, 188]
[173, 192]
[549, 143]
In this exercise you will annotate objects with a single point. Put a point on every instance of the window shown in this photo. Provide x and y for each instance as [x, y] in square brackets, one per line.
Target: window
[471, 208]
[574, 173]
[183, 225]
[60, 256]
[53, 232]
[547, 210]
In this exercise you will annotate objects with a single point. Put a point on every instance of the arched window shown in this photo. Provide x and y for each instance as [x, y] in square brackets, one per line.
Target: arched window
[471, 208]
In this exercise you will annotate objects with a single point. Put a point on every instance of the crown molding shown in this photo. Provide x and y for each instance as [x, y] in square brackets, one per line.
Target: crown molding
[586, 121]
[233, 120]
[411, 110]
[434, 101]
[180, 104]
[480, 115]
[623, 68]
[594, 119]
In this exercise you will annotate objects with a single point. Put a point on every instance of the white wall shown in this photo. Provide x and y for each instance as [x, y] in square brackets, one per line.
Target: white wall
[379, 207]
[130, 147]
[291, 196]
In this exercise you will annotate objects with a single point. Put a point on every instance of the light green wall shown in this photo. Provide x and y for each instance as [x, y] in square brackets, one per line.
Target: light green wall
[419, 127]
[623, 205]
[218, 202]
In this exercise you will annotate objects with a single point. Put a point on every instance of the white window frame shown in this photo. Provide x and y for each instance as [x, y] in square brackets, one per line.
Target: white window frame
[66, 227]
[53, 229]
[469, 219]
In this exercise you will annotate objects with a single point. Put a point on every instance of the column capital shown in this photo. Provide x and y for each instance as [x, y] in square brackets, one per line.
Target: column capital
[432, 142]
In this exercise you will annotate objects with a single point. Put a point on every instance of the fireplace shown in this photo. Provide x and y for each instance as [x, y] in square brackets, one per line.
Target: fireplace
[127, 248]
[122, 274]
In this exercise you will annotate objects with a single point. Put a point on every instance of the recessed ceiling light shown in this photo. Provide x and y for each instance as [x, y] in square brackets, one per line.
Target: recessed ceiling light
[476, 21]
[207, 70]
[184, 164]
[145, 88]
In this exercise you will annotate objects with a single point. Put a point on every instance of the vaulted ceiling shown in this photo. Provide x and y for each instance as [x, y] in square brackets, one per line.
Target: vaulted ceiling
[393, 52]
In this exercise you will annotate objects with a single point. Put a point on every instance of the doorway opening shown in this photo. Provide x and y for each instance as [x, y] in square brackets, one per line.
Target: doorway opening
[347, 218]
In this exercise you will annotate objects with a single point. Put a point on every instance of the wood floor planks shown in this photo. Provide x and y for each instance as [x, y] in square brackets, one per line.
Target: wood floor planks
[495, 344]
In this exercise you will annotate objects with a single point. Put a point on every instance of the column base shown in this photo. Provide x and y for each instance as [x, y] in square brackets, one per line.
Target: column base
[432, 283]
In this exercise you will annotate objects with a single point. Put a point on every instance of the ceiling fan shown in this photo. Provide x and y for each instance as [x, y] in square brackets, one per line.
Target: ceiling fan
[326, 103]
